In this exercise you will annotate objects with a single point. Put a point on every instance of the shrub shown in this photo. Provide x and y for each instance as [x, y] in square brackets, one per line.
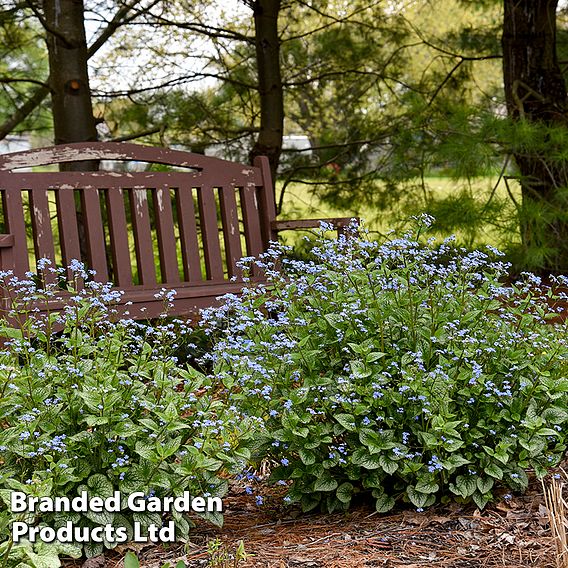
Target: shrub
[404, 369]
[105, 406]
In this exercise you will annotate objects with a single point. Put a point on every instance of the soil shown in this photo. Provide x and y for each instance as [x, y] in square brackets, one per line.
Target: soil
[512, 532]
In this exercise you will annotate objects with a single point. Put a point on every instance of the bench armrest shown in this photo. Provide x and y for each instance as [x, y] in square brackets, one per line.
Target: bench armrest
[338, 223]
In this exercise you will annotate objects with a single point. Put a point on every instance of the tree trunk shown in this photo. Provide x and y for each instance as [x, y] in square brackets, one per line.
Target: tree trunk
[269, 140]
[73, 119]
[535, 92]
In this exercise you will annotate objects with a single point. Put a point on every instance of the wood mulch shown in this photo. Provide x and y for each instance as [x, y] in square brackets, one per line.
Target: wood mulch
[512, 532]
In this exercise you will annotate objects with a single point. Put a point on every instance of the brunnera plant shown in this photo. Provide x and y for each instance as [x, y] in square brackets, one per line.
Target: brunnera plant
[404, 369]
[104, 405]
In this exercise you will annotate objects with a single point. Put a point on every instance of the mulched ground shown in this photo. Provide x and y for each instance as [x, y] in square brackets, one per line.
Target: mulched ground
[512, 532]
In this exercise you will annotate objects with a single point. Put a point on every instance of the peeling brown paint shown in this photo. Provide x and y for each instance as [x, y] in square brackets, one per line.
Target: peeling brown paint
[177, 224]
[160, 199]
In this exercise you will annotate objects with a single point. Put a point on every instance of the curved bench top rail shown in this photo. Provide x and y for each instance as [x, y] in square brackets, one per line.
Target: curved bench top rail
[122, 151]
[105, 179]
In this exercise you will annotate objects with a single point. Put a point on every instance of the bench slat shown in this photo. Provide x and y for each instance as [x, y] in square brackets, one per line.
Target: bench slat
[41, 225]
[142, 235]
[188, 234]
[16, 225]
[93, 224]
[210, 233]
[230, 223]
[119, 237]
[166, 234]
[253, 235]
[267, 205]
[68, 229]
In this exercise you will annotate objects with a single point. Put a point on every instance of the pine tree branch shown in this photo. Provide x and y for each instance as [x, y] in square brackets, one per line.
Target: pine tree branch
[334, 19]
[446, 79]
[23, 112]
[459, 56]
[139, 134]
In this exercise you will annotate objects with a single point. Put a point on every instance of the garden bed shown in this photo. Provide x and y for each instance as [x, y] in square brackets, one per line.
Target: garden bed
[512, 532]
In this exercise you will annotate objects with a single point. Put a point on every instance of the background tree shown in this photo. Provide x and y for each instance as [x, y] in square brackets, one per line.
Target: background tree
[269, 78]
[536, 96]
[71, 106]
[60, 25]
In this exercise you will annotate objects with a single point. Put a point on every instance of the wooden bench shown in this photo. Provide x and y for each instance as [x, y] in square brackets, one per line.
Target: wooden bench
[183, 229]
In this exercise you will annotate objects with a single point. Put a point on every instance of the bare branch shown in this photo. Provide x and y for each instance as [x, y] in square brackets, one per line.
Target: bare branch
[337, 145]
[173, 83]
[459, 55]
[8, 80]
[334, 19]
[447, 51]
[204, 29]
[446, 79]
[37, 97]
[345, 181]
[148, 132]
[119, 19]
[496, 185]
[342, 73]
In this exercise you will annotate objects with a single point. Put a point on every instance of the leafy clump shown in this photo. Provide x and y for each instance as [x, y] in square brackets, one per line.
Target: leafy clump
[105, 406]
[404, 369]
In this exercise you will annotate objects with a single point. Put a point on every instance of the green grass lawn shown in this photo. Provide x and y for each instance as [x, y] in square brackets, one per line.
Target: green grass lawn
[477, 212]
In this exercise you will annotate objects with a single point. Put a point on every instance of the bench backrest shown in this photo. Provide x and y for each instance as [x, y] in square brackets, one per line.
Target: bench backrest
[183, 229]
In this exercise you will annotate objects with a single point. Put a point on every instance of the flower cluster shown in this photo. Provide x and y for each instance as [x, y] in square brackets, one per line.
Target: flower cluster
[91, 403]
[403, 368]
